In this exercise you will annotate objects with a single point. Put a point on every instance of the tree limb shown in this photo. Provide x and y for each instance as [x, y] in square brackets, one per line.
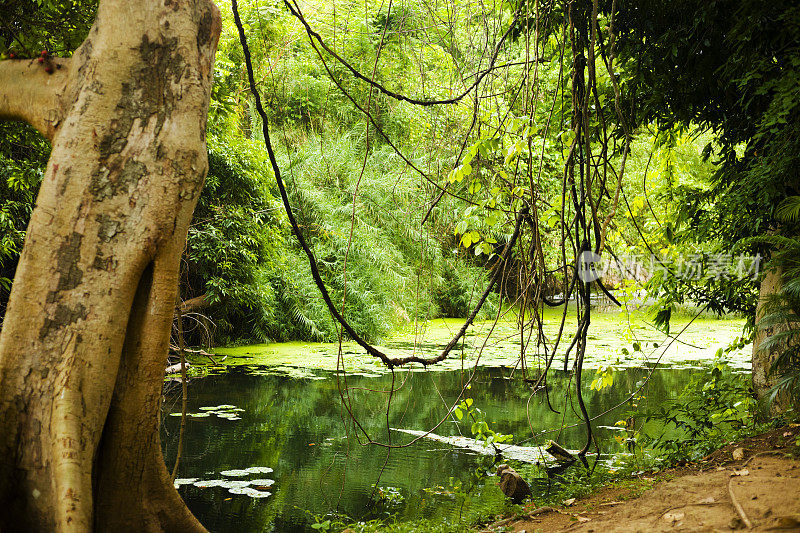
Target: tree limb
[195, 304]
[31, 94]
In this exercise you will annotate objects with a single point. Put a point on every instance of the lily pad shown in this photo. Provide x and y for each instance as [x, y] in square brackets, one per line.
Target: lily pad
[261, 482]
[259, 470]
[184, 481]
[233, 483]
[207, 483]
[198, 415]
[235, 473]
[247, 491]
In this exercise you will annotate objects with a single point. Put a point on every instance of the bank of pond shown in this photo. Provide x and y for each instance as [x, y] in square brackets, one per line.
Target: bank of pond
[280, 439]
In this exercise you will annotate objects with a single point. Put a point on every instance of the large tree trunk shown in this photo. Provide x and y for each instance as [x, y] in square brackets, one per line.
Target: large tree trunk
[86, 331]
[763, 358]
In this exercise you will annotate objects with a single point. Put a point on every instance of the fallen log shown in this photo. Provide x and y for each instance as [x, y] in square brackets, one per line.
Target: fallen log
[525, 454]
[561, 454]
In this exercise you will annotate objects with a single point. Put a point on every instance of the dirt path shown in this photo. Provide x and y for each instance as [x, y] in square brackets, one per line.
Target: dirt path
[751, 484]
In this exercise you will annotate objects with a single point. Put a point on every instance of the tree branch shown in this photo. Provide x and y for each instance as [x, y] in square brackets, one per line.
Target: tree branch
[31, 94]
[195, 304]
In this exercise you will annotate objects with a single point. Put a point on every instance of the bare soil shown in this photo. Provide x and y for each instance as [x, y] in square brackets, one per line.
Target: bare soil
[752, 484]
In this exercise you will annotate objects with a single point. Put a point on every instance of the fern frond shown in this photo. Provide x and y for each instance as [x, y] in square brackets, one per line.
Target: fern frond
[789, 209]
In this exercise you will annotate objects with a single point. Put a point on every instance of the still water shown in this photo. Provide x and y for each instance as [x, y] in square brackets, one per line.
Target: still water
[319, 458]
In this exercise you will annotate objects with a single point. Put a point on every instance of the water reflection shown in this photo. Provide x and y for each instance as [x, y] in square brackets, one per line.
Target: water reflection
[321, 459]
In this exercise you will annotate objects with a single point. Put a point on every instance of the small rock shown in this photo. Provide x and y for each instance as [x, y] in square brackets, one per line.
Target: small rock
[738, 454]
[674, 516]
[742, 472]
[708, 500]
[568, 502]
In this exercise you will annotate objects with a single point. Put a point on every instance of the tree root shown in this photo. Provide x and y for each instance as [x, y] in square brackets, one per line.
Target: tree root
[737, 506]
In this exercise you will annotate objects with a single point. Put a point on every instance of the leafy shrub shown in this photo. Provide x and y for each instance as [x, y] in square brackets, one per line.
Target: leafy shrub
[716, 406]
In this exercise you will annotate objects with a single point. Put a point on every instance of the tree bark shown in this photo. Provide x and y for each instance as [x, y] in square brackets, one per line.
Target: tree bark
[86, 330]
[195, 304]
[763, 359]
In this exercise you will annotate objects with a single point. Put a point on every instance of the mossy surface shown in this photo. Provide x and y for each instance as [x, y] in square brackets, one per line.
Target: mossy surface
[613, 340]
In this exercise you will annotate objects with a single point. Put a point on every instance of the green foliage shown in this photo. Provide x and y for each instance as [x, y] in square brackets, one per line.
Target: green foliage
[479, 424]
[459, 289]
[324, 525]
[235, 231]
[241, 254]
[730, 69]
[58, 26]
[243, 257]
[388, 499]
[470, 509]
[717, 405]
[604, 378]
[29, 26]
[732, 91]
[23, 155]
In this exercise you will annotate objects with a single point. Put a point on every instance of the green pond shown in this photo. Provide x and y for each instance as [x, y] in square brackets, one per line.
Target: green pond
[270, 444]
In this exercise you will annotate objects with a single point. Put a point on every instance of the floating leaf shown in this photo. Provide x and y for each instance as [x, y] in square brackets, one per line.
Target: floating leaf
[232, 483]
[247, 491]
[261, 482]
[235, 473]
[259, 470]
[207, 483]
